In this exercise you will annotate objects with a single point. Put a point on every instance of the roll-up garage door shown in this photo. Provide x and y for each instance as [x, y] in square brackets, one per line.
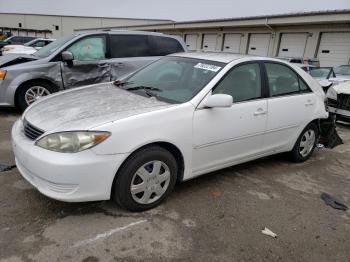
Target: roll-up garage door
[292, 45]
[191, 41]
[334, 49]
[259, 44]
[232, 43]
[209, 42]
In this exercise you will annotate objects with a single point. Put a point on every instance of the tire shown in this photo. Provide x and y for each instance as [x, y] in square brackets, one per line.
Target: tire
[37, 88]
[303, 147]
[140, 171]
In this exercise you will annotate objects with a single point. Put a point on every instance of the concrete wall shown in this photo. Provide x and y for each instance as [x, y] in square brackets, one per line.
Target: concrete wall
[66, 24]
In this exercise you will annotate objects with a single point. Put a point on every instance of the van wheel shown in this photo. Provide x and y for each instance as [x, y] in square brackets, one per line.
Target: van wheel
[306, 143]
[33, 91]
[145, 179]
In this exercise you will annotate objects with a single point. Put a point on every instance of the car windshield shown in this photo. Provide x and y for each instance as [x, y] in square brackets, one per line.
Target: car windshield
[52, 47]
[322, 73]
[31, 42]
[342, 70]
[172, 79]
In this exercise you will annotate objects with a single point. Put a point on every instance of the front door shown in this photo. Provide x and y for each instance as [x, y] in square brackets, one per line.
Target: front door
[224, 136]
[90, 64]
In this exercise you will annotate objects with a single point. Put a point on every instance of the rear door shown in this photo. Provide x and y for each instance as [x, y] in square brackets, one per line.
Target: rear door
[129, 53]
[291, 105]
[90, 64]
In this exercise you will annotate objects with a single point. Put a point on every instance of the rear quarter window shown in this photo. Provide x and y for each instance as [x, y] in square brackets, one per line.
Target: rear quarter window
[129, 46]
[165, 45]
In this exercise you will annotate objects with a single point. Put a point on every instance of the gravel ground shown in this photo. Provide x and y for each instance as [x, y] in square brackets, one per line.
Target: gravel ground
[217, 217]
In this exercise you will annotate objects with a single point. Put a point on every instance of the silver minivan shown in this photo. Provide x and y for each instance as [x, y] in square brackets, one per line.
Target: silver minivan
[80, 59]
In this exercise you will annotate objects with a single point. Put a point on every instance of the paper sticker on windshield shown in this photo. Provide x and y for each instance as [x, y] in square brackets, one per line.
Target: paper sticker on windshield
[213, 68]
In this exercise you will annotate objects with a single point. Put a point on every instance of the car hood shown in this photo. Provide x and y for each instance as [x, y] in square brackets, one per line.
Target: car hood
[13, 59]
[89, 107]
[343, 88]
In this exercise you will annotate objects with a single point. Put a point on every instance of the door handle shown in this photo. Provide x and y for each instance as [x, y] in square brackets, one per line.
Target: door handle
[260, 112]
[309, 103]
[103, 65]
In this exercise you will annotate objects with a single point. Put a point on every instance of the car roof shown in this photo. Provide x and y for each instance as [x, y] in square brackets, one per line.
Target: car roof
[122, 32]
[222, 57]
[213, 56]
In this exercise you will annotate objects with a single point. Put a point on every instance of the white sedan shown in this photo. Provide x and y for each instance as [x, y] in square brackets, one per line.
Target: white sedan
[28, 48]
[180, 117]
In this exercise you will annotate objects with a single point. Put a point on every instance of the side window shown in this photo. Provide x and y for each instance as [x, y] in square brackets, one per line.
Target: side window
[283, 80]
[242, 83]
[165, 46]
[129, 46]
[16, 39]
[89, 48]
[39, 44]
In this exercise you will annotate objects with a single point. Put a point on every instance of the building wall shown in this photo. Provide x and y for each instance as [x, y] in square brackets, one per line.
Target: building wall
[314, 33]
[66, 24]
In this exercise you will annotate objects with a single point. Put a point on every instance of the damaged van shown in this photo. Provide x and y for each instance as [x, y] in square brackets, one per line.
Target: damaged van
[80, 59]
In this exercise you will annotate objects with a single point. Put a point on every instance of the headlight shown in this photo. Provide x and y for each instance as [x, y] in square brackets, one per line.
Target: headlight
[71, 142]
[2, 74]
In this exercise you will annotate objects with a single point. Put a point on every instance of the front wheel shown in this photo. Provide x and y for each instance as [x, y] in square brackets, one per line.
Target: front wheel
[145, 179]
[31, 92]
[306, 143]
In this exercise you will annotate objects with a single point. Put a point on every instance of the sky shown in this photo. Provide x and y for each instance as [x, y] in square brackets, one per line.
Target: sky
[178, 10]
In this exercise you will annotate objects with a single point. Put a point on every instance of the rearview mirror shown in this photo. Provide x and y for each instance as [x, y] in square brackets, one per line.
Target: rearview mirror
[67, 56]
[218, 100]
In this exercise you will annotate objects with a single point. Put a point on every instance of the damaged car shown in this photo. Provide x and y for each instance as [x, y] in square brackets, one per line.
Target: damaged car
[179, 117]
[79, 59]
[339, 101]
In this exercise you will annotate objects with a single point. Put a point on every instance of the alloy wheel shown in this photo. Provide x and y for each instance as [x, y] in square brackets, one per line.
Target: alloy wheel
[34, 93]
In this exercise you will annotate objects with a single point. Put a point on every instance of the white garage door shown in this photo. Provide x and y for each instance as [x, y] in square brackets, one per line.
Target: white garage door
[334, 49]
[292, 45]
[209, 42]
[191, 41]
[232, 43]
[259, 44]
[22, 33]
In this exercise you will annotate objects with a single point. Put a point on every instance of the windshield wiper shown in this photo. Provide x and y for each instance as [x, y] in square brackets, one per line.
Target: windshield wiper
[144, 88]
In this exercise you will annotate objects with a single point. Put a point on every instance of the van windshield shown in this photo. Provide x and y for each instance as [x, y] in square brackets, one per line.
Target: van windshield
[52, 47]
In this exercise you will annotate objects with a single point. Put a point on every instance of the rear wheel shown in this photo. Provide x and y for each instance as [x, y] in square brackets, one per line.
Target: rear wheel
[145, 179]
[305, 144]
[33, 91]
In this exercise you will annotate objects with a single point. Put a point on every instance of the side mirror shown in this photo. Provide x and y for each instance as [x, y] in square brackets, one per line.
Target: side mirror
[67, 56]
[218, 100]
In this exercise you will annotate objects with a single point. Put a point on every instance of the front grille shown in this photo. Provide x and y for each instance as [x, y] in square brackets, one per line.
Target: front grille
[31, 131]
[331, 102]
[344, 101]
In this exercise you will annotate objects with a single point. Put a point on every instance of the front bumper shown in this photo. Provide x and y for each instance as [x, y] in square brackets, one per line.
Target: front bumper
[340, 113]
[76, 177]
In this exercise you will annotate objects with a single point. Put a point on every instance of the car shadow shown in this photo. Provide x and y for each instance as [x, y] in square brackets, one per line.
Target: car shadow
[7, 111]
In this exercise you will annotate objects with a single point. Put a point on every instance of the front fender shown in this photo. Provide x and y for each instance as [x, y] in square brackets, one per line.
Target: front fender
[50, 72]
